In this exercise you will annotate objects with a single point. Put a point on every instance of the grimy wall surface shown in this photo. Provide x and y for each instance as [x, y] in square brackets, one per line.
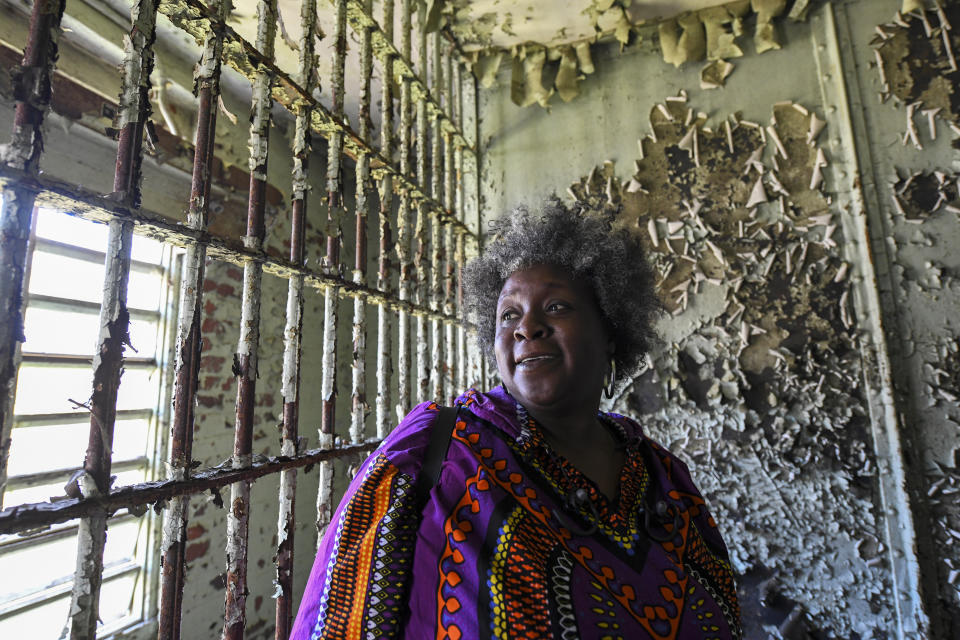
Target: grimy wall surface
[805, 229]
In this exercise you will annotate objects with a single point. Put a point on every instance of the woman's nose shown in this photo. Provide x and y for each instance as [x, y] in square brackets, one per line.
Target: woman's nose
[531, 326]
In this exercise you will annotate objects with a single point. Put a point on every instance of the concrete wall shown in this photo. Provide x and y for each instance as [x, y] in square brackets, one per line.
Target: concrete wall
[808, 370]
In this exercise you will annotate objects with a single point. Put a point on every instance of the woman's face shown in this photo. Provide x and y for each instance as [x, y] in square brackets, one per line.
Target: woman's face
[551, 345]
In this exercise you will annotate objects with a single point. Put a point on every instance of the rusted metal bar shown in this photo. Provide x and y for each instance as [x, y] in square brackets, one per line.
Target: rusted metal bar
[436, 255]
[403, 223]
[359, 407]
[32, 93]
[400, 64]
[331, 296]
[419, 263]
[195, 18]
[384, 365]
[248, 347]
[462, 359]
[450, 350]
[290, 386]
[114, 321]
[42, 514]
[92, 205]
[187, 358]
[450, 353]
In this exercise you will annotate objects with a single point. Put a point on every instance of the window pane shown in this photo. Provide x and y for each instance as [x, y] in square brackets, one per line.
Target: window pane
[122, 540]
[146, 249]
[31, 450]
[73, 278]
[44, 389]
[44, 621]
[75, 333]
[62, 227]
[63, 277]
[118, 596]
[44, 564]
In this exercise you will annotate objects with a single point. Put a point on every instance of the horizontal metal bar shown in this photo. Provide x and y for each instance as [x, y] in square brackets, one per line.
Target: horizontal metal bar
[96, 206]
[196, 19]
[81, 361]
[49, 477]
[90, 255]
[387, 53]
[31, 516]
[81, 306]
[27, 420]
[60, 588]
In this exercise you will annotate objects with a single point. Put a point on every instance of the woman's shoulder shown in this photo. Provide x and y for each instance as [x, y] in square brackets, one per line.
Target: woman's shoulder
[404, 447]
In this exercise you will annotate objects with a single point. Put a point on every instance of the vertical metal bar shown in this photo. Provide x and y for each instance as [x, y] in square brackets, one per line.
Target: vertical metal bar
[450, 382]
[384, 366]
[403, 224]
[448, 205]
[187, 358]
[290, 386]
[473, 172]
[359, 395]
[436, 176]
[114, 322]
[32, 92]
[331, 295]
[462, 364]
[248, 347]
[423, 345]
[462, 361]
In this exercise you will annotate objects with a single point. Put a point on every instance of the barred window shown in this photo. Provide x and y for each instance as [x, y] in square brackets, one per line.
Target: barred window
[64, 286]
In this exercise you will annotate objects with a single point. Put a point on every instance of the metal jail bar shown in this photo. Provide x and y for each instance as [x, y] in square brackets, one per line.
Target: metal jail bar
[403, 224]
[290, 385]
[22, 154]
[384, 364]
[444, 113]
[420, 264]
[114, 322]
[187, 365]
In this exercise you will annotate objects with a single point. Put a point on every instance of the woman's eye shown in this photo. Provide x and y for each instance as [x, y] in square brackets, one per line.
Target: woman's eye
[507, 315]
[556, 306]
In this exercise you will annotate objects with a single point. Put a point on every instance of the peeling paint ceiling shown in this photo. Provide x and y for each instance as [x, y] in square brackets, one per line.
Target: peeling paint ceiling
[481, 24]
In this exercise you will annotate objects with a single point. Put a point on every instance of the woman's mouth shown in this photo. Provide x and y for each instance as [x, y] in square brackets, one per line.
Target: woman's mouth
[533, 360]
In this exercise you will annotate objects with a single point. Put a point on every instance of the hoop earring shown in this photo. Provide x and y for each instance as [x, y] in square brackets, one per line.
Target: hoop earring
[609, 384]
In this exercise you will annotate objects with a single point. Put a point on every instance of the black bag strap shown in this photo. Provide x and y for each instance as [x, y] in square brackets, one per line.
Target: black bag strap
[436, 452]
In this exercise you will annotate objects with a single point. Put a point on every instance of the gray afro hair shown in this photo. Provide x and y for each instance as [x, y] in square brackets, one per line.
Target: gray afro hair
[609, 258]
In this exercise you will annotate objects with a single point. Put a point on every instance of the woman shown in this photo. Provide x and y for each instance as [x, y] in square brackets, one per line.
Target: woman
[549, 519]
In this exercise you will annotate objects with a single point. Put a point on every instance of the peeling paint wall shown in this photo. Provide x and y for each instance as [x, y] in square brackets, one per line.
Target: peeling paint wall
[806, 250]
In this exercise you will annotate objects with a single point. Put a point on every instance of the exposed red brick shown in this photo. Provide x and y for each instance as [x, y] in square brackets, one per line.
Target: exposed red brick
[235, 274]
[212, 363]
[211, 325]
[209, 382]
[209, 308]
[225, 290]
[209, 285]
[257, 602]
[210, 401]
[195, 531]
[197, 550]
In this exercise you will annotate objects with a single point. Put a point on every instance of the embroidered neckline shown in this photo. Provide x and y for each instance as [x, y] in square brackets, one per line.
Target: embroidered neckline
[616, 518]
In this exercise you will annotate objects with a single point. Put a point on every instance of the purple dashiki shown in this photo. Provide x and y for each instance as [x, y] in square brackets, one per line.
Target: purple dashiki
[497, 554]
